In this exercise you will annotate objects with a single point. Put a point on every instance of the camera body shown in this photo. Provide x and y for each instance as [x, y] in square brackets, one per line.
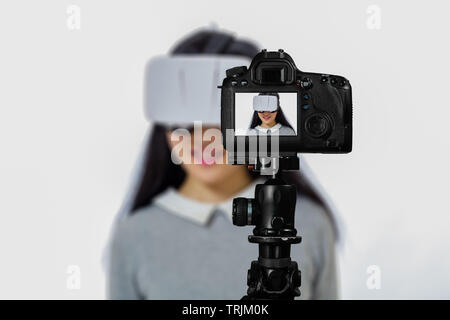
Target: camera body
[319, 106]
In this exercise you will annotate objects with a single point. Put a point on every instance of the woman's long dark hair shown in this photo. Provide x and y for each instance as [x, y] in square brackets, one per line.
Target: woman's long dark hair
[280, 118]
[160, 172]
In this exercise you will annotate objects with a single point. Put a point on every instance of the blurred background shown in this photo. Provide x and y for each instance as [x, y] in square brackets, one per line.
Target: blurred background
[71, 124]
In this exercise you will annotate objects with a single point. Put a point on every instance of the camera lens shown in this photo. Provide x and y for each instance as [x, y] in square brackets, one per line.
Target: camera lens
[317, 125]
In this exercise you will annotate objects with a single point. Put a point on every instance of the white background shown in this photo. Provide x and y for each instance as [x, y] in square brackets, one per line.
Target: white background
[244, 109]
[71, 123]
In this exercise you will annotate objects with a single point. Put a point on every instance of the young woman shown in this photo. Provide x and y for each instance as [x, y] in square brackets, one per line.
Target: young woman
[268, 118]
[175, 238]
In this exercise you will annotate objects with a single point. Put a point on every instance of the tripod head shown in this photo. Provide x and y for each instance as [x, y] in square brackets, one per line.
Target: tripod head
[274, 275]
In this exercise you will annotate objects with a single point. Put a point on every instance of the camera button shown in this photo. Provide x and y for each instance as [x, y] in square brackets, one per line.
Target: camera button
[306, 107]
[244, 83]
[233, 82]
[306, 83]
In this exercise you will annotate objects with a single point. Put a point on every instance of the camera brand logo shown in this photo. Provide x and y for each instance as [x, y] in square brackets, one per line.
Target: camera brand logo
[204, 146]
[73, 21]
[73, 281]
[374, 280]
[373, 21]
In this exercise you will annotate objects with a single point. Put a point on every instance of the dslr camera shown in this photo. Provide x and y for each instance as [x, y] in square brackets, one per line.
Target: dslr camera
[274, 109]
[269, 113]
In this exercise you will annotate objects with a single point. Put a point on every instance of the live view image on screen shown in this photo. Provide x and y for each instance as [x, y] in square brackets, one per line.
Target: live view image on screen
[266, 113]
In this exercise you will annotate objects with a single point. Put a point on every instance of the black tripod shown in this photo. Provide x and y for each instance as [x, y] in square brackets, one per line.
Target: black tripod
[274, 275]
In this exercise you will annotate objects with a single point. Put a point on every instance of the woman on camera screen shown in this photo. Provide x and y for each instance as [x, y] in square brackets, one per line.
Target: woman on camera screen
[268, 118]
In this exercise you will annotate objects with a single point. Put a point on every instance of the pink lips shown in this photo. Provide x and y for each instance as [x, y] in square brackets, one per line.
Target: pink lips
[204, 160]
[208, 163]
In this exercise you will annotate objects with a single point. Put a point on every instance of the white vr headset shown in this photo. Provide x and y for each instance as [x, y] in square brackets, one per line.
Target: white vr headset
[263, 103]
[181, 89]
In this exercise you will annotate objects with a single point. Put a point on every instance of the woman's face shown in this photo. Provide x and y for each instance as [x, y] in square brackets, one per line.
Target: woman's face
[267, 118]
[208, 163]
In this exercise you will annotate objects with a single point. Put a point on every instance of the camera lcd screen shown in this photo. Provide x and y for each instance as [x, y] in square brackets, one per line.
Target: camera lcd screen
[265, 113]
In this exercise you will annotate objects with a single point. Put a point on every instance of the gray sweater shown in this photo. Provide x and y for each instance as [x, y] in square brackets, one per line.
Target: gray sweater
[177, 248]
